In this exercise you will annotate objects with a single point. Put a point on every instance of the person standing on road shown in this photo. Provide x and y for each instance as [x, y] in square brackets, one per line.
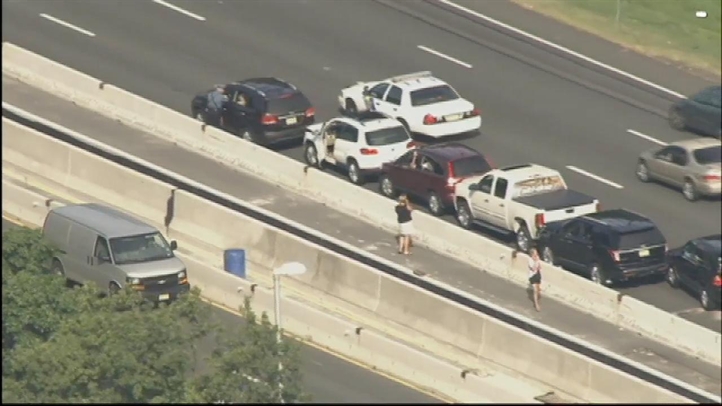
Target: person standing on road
[216, 99]
[406, 227]
[534, 266]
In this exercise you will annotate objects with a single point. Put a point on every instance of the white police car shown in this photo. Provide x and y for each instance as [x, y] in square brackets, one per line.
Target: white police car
[361, 144]
[423, 103]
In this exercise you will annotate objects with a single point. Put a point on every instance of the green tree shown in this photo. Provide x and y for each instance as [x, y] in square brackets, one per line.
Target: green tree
[73, 345]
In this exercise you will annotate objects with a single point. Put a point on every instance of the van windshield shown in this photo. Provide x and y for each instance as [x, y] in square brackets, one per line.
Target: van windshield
[140, 248]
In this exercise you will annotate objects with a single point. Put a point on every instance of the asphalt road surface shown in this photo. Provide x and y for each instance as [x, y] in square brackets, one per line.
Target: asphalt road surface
[330, 379]
[356, 232]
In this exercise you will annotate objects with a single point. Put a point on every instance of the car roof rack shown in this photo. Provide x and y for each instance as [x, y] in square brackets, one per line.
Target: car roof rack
[411, 76]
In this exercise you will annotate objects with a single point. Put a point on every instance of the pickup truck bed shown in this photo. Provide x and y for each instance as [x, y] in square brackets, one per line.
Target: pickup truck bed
[555, 200]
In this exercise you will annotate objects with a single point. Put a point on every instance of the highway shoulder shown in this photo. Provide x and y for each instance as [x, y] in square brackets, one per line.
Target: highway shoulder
[360, 234]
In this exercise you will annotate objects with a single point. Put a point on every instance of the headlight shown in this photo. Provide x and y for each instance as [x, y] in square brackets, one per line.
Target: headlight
[181, 275]
[134, 281]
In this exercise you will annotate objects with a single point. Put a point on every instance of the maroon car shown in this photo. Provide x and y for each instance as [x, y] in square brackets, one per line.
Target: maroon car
[432, 172]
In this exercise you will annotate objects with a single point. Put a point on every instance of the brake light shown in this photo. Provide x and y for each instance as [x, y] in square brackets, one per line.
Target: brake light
[269, 119]
[369, 151]
[430, 119]
[474, 113]
[712, 178]
[310, 112]
[539, 220]
[717, 281]
[615, 255]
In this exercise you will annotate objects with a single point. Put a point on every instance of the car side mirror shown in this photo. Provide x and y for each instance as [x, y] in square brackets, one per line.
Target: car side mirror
[173, 245]
[365, 91]
[474, 186]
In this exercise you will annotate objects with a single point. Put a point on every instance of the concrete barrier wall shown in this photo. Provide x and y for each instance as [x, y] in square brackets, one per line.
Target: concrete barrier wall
[479, 337]
[473, 249]
[478, 251]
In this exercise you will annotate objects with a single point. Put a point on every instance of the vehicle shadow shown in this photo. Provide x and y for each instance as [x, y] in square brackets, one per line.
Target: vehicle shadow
[452, 138]
[678, 191]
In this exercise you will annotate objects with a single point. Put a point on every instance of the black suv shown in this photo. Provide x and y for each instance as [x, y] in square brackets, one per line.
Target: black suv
[262, 110]
[608, 246]
[697, 266]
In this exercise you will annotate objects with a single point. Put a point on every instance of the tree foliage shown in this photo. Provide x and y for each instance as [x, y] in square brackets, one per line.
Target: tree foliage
[73, 345]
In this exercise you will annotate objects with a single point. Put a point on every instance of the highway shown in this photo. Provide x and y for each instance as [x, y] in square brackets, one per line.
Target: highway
[345, 227]
[328, 378]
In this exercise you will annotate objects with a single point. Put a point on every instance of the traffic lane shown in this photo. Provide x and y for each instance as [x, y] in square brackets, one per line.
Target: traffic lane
[356, 232]
[327, 378]
[664, 73]
[165, 93]
[540, 113]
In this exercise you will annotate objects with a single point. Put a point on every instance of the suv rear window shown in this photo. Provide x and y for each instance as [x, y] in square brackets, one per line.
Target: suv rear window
[386, 136]
[470, 166]
[709, 155]
[295, 102]
[635, 239]
[431, 95]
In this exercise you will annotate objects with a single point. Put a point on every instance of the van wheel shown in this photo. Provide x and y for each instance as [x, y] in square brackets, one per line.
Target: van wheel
[523, 239]
[113, 288]
[350, 107]
[463, 215]
[57, 268]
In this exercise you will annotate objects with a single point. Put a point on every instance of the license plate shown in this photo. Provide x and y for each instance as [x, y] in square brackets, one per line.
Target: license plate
[453, 117]
[291, 121]
[643, 253]
[164, 296]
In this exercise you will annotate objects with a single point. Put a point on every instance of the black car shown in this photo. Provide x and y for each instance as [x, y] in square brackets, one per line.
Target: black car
[608, 246]
[262, 110]
[701, 112]
[697, 266]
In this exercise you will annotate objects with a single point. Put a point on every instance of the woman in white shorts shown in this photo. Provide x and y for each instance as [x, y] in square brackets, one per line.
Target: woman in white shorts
[406, 225]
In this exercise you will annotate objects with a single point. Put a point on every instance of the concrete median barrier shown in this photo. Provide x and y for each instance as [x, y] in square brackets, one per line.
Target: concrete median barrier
[484, 341]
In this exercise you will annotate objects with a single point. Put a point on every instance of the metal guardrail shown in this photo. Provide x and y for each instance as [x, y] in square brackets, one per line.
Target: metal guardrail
[598, 354]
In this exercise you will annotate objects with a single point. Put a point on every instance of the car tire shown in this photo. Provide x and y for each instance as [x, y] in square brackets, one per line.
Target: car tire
[548, 256]
[387, 188]
[523, 239]
[676, 120]
[704, 300]
[672, 277]
[350, 107]
[354, 173]
[643, 172]
[596, 275]
[247, 135]
[689, 190]
[310, 155]
[200, 116]
[463, 215]
[436, 206]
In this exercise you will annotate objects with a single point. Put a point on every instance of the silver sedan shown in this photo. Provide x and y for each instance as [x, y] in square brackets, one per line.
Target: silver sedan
[692, 165]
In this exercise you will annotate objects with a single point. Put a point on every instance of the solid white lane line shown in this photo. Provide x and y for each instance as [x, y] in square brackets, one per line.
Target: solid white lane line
[180, 10]
[67, 24]
[647, 137]
[447, 57]
[561, 48]
[595, 177]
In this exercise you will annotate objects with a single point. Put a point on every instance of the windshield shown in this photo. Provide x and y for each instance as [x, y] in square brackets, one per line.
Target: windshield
[538, 185]
[294, 102]
[140, 248]
[431, 95]
[387, 136]
[709, 155]
[635, 239]
[470, 166]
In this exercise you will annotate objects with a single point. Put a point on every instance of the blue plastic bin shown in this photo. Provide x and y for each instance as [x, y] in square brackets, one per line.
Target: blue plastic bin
[234, 261]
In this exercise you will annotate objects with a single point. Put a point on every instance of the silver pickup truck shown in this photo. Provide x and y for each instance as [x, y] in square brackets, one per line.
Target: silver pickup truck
[519, 199]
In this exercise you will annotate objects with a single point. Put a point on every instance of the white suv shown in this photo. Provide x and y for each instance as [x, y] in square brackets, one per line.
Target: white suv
[423, 103]
[361, 145]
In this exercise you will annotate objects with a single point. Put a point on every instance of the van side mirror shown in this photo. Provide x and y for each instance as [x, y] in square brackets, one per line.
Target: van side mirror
[103, 259]
[173, 245]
